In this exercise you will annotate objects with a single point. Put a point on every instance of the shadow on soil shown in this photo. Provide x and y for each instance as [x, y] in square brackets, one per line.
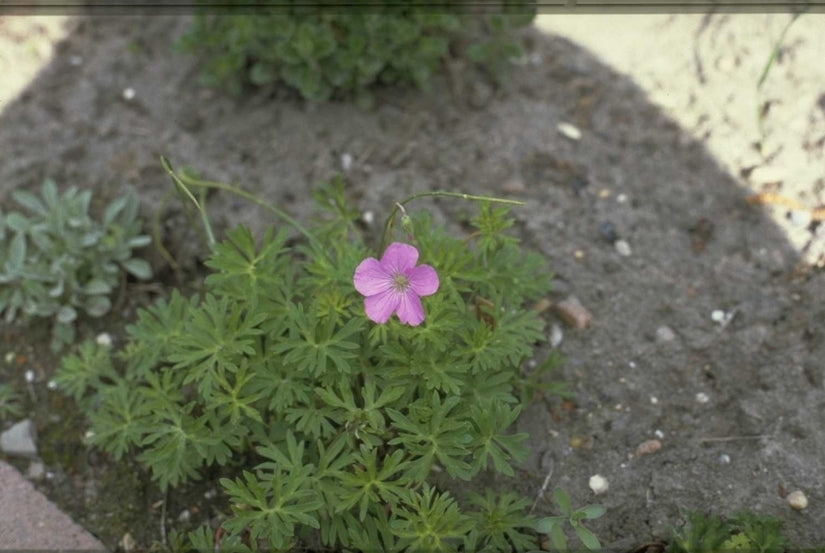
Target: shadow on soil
[738, 406]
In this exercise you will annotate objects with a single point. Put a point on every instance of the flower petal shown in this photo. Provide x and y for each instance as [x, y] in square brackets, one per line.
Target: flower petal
[399, 258]
[423, 280]
[410, 310]
[380, 307]
[370, 279]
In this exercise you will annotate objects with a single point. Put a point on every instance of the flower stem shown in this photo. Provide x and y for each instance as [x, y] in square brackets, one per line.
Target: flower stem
[183, 181]
[399, 206]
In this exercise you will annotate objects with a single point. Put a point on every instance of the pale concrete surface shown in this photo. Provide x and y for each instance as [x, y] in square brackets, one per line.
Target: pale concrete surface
[29, 521]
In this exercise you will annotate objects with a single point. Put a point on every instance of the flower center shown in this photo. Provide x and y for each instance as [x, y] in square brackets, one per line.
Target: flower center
[400, 282]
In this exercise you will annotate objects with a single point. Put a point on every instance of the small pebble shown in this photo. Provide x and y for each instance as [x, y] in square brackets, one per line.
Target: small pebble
[29, 376]
[346, 161]
[654, 400]
[184, 516]
[648, 448]
[717, 316]
[659, 434]
[514, 185]
[702, 397]
[36, 471]
[556, 335]
[578, 254]
[368, 217]
[573, 313]
[128, 543]
[51, 385]
[800, 218]
[9, 357]
[569, 131]
[104, 339]
[599, 484]
[623, 248]
[128, 93]
[20, 440]
[665, 334]
[210, 494]
[608, 232]
[724, 459]
[797, 500]
[621, 198]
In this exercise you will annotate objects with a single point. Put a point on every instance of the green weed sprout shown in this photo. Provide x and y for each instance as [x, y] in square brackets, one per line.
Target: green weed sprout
[57, 262]
[554, 526]
[742, 532]
[324, 426]
[9, 403]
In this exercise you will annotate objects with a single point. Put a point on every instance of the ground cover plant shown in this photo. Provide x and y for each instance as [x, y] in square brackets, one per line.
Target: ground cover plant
[324, 53]
[56, 260]
[335, 383]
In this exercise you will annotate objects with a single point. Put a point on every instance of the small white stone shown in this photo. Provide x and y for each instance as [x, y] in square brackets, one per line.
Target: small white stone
[622, 198]
[665, 334]
[658, 433]
[797, 500]
[9, 357]
[717, 316]
[368, 217]
[89, 434]
[210, 494]
[49, 475]
[654, 400]
[622, 247]
[556, 335]
[346, 161]
[184, 515]
[569, 131]
[104, 339]
[599, 484]
[128, 93]
[702, 397]
[29, 376]
[724, 459]
[631, 364]
[51, 385]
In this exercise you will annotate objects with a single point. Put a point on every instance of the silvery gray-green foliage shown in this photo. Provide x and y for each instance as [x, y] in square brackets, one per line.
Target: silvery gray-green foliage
[56, 261]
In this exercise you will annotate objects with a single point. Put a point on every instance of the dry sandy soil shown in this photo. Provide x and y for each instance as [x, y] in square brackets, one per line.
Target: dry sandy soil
[671, 148]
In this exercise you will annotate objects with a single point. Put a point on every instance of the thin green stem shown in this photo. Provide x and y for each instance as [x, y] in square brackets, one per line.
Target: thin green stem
[400, 207]
[183, 181]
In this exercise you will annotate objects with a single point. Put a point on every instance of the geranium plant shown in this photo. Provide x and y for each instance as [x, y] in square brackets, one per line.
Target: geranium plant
[336, 384]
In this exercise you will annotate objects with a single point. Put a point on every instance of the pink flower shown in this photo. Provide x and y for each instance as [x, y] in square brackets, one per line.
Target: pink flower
[394, 284]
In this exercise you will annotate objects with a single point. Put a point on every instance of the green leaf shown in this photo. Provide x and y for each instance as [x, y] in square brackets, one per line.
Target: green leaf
[50, 195]
[563, 501]
[97, 306]
[17, 253]
[138, 268]
[30, 202]
[17, 222]
[66, 314]
[97, 286]
[588, 538]
[113, 209]
[592, 512]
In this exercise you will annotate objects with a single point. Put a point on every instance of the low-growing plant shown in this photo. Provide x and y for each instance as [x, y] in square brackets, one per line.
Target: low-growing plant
[554, 526]
[746, 532]
[326, 52]
[56, 260]
[333, 385]
[10, 403]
